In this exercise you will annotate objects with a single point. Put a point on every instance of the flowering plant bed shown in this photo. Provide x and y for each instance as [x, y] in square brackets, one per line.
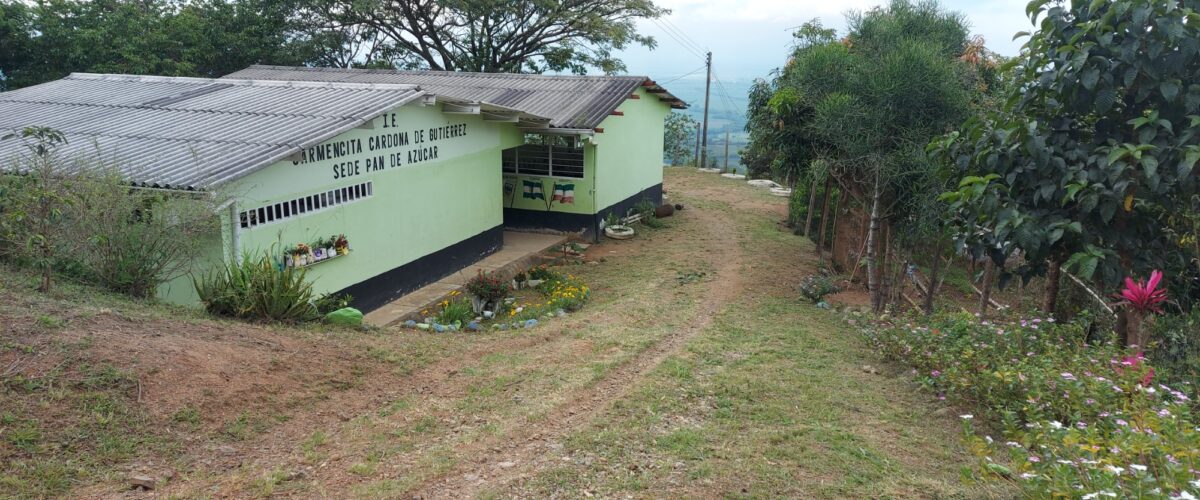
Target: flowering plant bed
[1079, 418]
[556, 296]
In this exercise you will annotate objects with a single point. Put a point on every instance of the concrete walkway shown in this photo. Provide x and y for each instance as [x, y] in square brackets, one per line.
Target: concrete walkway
[519, 252]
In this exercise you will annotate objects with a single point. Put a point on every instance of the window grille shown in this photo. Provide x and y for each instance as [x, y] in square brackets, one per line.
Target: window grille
[545, 155]
[304, 205]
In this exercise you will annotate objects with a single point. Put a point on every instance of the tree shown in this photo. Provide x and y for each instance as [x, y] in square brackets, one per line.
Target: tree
[205, 38]
[37, 209]
[1094, 151]
[523, 36]
[679, 135]
[878, 98]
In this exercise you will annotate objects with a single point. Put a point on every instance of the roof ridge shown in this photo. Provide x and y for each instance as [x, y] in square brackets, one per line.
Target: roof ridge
[241, 82]
[442, 72]
[144, 106]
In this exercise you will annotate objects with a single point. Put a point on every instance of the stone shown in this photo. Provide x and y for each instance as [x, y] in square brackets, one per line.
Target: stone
[530, 323]
[506, 465]
[142, 482]
[823, 305]
[439, 328]
[347, 316]
[870, 369]
[410, 323]
[474, 326]
[422, 326]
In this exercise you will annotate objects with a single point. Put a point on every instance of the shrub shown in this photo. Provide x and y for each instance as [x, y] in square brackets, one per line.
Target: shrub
[816, 286]
[646, 208]
[256, 288]
[79, 216]
[1077, 418]
[568, 294]
[488, 287]
[543, 273]
[138, 238]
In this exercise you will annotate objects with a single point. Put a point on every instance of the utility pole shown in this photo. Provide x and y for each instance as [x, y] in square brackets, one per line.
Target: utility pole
[704, 130]
[696, 158]
[726, 149]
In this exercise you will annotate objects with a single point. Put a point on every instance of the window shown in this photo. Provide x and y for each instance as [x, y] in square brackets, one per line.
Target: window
[293, 208]
[545, 155]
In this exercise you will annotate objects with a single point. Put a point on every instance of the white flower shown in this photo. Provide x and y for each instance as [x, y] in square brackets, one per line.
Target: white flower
[966, 417]
[1055, 424]
[989, 439]
[1115, 470]
[1137, 467]
[1183, 495]
[1028, 475]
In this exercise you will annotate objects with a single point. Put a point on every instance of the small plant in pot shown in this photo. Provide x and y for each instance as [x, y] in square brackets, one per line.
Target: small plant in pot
[487, 291]
[613, 228]
[519, 280]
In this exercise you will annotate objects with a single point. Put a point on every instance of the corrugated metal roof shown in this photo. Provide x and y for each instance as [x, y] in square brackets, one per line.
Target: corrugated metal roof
[574, 102]
[191, 133]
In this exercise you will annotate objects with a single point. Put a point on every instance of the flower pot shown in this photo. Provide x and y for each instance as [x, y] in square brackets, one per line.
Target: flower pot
[618, 232]
[478, 303]
[330, 252]
[319, 254]
[287, 261]
[533, 283]
[303, 260]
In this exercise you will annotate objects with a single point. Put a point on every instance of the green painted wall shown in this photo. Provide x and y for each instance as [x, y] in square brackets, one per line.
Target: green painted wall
[628, 155]
[420, 207]
[416, 208]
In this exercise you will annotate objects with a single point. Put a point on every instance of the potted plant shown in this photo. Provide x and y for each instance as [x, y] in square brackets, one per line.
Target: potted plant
[341, 245]
[302, 254]
[487, 291]
[613, 228]
[519, 280]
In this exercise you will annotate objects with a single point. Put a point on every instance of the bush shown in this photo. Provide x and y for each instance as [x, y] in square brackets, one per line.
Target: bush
[816, 286]
[646, 208]
[488, 287]
[80, 217]
[257, 288]
[543, 273]
[1077, 418]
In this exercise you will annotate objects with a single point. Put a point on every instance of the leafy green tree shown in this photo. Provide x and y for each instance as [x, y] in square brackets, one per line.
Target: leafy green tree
[1089, 161]
[206, 38]
[523, 36]
[679, 135]
[878, 98]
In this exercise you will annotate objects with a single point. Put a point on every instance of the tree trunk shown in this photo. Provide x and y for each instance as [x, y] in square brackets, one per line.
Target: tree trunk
[824, 215]
[872, 251]
[1053, 283]
[1135, 335]
[934, 269]
[985, 288]
[812, 202]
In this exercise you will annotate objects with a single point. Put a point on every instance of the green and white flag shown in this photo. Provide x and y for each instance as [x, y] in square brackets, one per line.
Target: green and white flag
[533, 190]
[564, 193]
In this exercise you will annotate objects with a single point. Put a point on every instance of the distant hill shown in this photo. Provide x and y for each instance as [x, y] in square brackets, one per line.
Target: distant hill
[724, 114]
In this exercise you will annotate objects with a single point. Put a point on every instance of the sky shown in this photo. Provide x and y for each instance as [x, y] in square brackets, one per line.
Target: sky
[749, 38]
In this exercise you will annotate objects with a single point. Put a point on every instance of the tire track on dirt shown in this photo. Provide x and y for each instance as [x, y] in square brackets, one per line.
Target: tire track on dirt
[521, 450]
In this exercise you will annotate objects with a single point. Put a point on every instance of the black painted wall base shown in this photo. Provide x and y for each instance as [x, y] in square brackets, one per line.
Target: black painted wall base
[375, 292]
[516, 218]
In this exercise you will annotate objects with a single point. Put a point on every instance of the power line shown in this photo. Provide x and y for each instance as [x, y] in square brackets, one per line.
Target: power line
[685, 75]
[683, 34]
[677, 39]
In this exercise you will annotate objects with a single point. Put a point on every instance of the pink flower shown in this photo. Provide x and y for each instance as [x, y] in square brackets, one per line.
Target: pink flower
[1144, 296]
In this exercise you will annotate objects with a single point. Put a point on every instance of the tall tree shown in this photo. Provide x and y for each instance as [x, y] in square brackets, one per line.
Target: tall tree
[679, 134]
[894, 83]
[526, 36]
